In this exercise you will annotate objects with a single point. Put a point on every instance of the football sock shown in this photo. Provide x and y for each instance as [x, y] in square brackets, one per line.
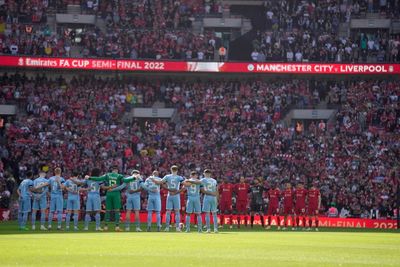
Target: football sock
[50, 219]
[87, 220]
[107, 217]
[67, 219]
[33, 218]
[158, 218]
[137, 220]
[215, 219]
[187, 222]
[199, 222]
[97, 218]
[208, 221]
[59, 218]
[76, 217]
[177, 219]
[316, 222]
[149, 215]
[245, 220]
[117, 218]
[222, 219]
[42, 217]
[127, 220]
[262, 220]
[251, 220]
[310, 222]
[167, 218]
[278, 220]
[24, 219]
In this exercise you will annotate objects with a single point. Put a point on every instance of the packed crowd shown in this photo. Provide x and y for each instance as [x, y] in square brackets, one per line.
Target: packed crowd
[309, 31]
[232, 127]
[134, 29]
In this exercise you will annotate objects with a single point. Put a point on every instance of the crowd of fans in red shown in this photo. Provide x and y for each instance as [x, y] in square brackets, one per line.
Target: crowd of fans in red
[295, 31]
[134, 29]
[310, 31]
[230, 126]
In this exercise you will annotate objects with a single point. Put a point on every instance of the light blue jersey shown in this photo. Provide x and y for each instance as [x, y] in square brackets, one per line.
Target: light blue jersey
[152, 188]
[24, 188]
[193, 198]
[93, 187]
[73, 200]
[154, 199]
[39, 182]
[25, 199]
[173, 181]
[193, 191]
[209, 202]
[134, 185]
[55, 188]
[93, 200]
[40, 198]
[73, 189]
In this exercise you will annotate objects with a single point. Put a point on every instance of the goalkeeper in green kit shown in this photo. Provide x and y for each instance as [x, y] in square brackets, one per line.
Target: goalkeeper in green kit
[113, 197]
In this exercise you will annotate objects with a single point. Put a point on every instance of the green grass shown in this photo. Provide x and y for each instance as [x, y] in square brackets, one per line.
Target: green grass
[340, 247]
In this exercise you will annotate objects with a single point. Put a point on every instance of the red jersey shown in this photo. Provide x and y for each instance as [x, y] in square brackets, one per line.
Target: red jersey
[225, 192]
[288, 198]
[163, 194]
[313, 197]
[241, 191]
[273, 196]
[301, 195]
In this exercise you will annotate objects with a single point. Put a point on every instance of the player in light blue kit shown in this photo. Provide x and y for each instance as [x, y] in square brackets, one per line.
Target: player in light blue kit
[56, 197]
[93, 200]
[73, 200]
[40, 200]
[193, 200]
[24, 206]
[152, 186]
[132, 193]
[210, 191]
[173, 182]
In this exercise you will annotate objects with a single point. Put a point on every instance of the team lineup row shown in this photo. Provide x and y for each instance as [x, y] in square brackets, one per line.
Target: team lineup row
[33, 198]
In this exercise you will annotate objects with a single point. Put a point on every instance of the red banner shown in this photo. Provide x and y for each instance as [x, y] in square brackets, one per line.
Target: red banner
[323, 221]
[183, 66]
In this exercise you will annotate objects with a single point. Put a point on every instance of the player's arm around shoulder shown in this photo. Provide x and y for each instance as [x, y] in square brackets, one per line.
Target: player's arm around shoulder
[99, 178]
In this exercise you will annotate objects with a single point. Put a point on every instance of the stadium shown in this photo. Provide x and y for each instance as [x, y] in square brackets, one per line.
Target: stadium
[199, 132]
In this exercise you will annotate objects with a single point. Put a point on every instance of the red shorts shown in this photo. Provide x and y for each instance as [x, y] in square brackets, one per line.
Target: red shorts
[300, 210]
[312, 211]
[273, 209]
[288, 210]
[241, 206]
[164, 206]
[225, 206]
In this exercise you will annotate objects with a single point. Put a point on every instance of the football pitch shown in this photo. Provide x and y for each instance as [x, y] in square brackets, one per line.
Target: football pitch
[258, 247]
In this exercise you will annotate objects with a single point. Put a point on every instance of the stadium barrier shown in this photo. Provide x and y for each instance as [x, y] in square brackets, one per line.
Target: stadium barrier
[191, 66]
[323, 221]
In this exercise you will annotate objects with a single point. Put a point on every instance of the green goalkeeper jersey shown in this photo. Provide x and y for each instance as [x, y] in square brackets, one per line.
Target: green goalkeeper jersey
[110, 179]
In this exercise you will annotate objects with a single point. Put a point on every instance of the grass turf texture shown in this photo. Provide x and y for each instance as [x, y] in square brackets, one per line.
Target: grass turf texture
[329, 247]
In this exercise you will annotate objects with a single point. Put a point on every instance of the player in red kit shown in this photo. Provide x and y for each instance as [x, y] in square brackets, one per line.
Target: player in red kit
[241, 191]
[273, 205]
[288, 198]
[225, 201]
[183, 204]
[163, 194]
[314, 202]
[300, 206]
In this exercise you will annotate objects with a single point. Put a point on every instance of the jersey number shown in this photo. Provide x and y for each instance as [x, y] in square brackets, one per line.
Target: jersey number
[134, 186]
[209, 187]
[193, 189]
[93, 188]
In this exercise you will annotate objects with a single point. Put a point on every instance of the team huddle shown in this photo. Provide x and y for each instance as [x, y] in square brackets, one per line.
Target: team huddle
[203, 195]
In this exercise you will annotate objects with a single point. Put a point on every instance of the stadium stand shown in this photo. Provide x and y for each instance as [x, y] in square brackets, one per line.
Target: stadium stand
[234, 127]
